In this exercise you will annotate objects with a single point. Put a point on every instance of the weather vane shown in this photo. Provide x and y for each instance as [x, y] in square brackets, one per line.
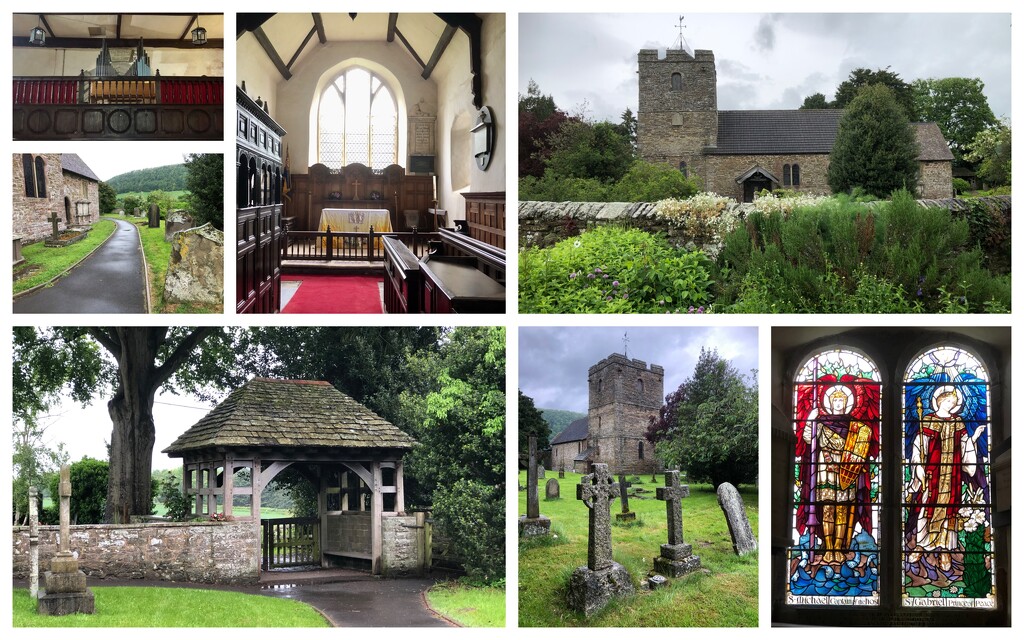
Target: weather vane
[625, 344]
[682, 41]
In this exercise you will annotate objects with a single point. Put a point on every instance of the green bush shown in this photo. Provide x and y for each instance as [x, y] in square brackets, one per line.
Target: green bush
[960, 186]
[554, 188]
[177, 504]
[465, 512]
[651, 182]
[89, 488]
[613, 270]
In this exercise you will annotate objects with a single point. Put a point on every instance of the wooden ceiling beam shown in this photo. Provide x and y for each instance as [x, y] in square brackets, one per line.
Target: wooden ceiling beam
[442, 44]
[271, 52]
[117, 33]
[318, 23]
[184, 33]
[249, 22]
[118, 43]
[472, 25]
[49, 29]
[408, 46]
[392, 25]
[309, 36]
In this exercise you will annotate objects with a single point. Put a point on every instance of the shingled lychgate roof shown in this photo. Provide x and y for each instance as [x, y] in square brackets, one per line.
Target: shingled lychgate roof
[930, 142]
[577, 430]
[72, 163]
[290, 413]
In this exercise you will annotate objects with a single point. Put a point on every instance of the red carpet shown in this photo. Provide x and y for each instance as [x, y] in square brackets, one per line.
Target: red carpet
[335, 294]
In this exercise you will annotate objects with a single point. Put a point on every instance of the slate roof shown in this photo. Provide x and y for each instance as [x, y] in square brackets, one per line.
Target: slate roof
[290, 413]
[577, 430]
[585, 456]
[783, 131]
[71, 163]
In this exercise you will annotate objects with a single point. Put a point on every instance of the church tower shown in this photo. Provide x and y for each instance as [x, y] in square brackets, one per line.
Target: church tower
[624, 395]
[677, 116]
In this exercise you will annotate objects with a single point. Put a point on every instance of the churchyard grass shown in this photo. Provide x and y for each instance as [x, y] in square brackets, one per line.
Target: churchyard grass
[721, 594]
[467, 604]
[173, 607]
[54, 261]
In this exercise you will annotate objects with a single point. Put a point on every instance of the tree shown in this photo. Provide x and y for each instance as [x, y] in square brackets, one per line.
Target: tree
[958, 106]
[902, 92]
[531, 423]
[32, 461]
[584, 150]
[650, 182]
[708, 426]
[628, 127]
[991, 150]
[816, 101]
[875, 147]
[108, 198]
[205, 182]
[130, 204]
[539, 119]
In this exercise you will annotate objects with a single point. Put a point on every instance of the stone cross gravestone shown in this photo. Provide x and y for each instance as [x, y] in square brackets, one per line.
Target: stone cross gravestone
[626, 515]
[55, 220]
[593, 586]
[533, 523]
[154, 216]
[677, 557]
[33, 541]
[551, 490]
[66, 591]
[743, 540]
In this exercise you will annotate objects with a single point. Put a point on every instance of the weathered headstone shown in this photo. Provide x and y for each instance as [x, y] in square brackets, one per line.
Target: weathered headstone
[677, 557]
[626, 515]
[136, 212]
[54, 219]
[196, 269]
[533, 524]
[654, 476]
[593, 586]
[66, 591]
[656, 581]
[154, 216]
[561, 472]
[551, 490]
[541, 472]
[743, 539]
[176, 221]
[33, 541]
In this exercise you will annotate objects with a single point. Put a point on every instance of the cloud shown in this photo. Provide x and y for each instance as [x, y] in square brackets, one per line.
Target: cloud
[738, 70]
[764, 35]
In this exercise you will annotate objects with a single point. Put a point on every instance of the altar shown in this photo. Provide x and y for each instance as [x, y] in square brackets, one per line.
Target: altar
[355, 221]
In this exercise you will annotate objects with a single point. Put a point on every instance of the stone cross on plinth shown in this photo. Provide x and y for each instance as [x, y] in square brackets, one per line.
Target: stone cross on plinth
[626, 515]
[54, 219]
[66, 592]
[533, 524]
[593, 586]
[677, 557]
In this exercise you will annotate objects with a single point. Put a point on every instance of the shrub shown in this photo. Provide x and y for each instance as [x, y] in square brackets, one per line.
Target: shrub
[960, 186]
[612, 270]
[650, 182]
[554, 188]
[466, 512]
[705, 216]
[177, 504]
[89, 486]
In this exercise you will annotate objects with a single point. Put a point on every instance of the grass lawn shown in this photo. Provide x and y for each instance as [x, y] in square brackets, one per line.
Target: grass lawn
[53, 261]
[173, 607]
[469, 605]
[723, 594]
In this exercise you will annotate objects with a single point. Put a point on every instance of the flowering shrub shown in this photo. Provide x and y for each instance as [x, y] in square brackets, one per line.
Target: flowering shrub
[219, 517]
[704, 215]
[613, 270]
[786, 203]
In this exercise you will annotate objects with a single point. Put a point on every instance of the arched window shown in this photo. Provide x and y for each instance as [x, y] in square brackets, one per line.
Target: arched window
[677, 81]
[357, 121]
[640, 385]
[837, 481]
[786, 180]
[796, 175]
[640, 450]
[682, 169]
[34, 170]
[947, 532]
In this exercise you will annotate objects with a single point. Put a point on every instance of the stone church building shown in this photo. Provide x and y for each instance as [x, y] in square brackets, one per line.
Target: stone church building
[738, 153]
[624, 395]
[48, 183]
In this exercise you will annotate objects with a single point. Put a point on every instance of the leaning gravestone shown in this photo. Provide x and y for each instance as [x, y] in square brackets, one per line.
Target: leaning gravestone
[743, 540]
[154, 216]
[677, 557]
[551, 490]
[626, 515]
[593, 586]
[196, 270]
[176, 221]
[533, 524]
[66, 591]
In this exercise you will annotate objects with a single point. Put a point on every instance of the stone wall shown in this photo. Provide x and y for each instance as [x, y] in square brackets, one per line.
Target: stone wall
[205, 552]
[562, 454]
[624, 395]
[84, 198]
[30, 214]
[402, 549]
[347, 532]
[674, 125]
[722, 171]
[936, 180]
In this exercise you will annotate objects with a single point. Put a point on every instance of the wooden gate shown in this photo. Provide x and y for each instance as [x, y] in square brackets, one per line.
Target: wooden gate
[290, 542]
[258, 268]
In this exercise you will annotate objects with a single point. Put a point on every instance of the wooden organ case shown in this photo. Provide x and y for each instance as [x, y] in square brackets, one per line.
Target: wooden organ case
[259, 177]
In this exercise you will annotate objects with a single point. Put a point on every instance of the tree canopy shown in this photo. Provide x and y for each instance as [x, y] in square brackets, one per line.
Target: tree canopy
[167, 178]
[108, 198]
[531, 423]
[958, 106]
[708, 426]
[204, 180]
[902, 92]
[991, 150]
[875, 148]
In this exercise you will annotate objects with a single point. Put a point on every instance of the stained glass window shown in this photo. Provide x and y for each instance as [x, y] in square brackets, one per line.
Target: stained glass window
[358, 122]
[834, 557]
[947, 507]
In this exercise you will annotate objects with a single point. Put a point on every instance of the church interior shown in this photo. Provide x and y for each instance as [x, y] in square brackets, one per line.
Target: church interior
[370, 163]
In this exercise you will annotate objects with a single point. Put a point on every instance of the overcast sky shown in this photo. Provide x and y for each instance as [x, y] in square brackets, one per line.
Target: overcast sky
[553, 361]
[764, 61]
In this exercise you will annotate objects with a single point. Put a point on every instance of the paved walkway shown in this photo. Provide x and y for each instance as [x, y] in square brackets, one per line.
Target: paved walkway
[111, 280]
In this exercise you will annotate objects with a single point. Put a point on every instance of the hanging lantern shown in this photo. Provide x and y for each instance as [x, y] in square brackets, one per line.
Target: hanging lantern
[199, 36]
[37, 36]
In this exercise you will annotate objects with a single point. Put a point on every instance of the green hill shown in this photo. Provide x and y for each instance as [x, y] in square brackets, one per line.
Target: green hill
[559, 419]
[167, 178]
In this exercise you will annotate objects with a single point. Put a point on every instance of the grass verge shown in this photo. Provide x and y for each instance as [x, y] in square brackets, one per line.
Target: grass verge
[173, 607]
[51, 262]
[469, 605]
[722, 594]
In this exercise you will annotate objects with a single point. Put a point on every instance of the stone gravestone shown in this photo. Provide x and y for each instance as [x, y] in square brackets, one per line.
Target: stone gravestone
[593, 586]
[551, 490]
[743, 540]
[196, 269]
[541, 472]
[561, 472]
[66, 591]
[55, 221]
[677, 557]
[626, 515]
[176, 221]
[33, 542]
[154, 216]
[533, 524]
[136, 213]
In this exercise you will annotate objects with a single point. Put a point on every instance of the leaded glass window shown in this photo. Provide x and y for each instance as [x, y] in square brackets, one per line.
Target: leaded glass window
[947, 506]
[358, 122]
[834, 557]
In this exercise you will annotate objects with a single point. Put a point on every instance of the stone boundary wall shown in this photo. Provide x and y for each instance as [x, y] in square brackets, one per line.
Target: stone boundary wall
[542, 224]
[206, 552]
